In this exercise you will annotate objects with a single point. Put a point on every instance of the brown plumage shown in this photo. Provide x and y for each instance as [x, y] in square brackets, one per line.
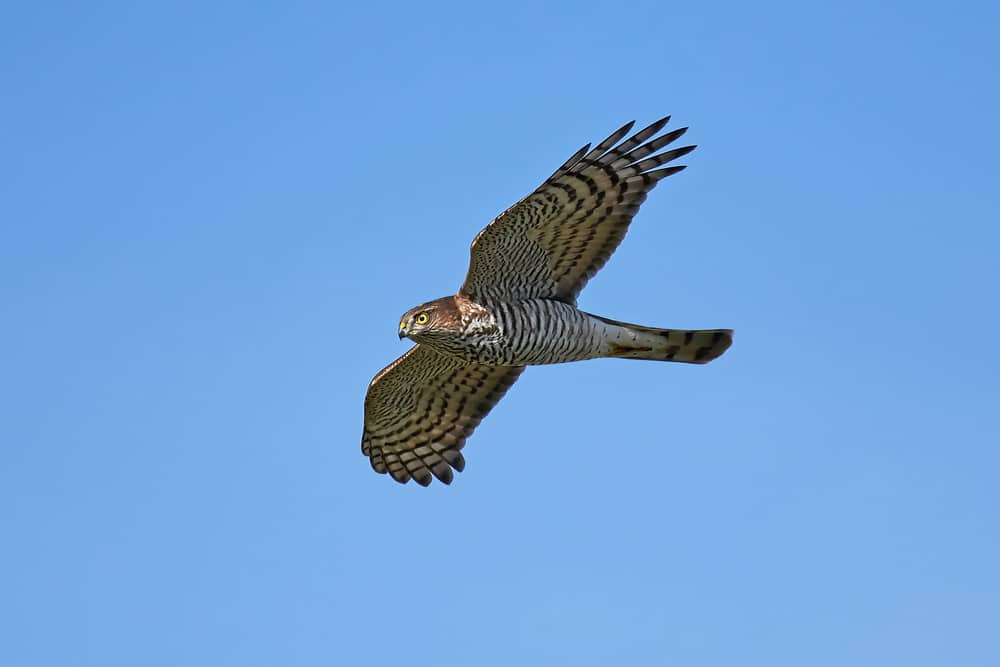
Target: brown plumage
[517, 307]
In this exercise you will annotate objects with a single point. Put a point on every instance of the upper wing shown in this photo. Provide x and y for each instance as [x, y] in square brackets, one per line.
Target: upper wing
[553, 241]
[420, 409]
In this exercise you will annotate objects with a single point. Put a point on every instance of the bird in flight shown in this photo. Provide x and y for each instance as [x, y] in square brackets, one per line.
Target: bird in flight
[517, 308]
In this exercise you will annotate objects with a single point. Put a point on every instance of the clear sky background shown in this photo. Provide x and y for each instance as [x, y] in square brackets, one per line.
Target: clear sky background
[213, 215]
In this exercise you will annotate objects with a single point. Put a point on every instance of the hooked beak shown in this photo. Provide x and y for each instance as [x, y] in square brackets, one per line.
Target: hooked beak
[402, 330]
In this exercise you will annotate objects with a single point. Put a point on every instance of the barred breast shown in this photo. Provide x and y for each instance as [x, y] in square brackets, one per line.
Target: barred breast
[544, 331]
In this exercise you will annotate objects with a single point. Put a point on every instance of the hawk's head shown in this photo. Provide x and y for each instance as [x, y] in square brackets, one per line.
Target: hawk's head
[434, 319]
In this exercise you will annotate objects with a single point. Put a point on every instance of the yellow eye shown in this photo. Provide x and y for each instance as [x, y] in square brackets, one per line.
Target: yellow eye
[421, 318]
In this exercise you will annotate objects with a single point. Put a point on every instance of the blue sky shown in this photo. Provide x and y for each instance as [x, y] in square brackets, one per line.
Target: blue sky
[214, 213]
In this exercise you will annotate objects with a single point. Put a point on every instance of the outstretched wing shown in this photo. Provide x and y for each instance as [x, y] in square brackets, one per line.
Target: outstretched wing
[553, 241]
[420, 409]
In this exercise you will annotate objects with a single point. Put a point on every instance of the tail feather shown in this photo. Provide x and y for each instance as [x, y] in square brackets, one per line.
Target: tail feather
[692, 346]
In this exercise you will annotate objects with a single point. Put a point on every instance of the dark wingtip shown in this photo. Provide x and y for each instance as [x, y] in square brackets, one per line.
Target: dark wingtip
[663, 121]
[624, 129]
[654, 127]
[443, 472]
[455, 459]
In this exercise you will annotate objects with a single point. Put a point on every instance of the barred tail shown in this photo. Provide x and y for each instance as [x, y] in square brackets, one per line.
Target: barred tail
[633, 341]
